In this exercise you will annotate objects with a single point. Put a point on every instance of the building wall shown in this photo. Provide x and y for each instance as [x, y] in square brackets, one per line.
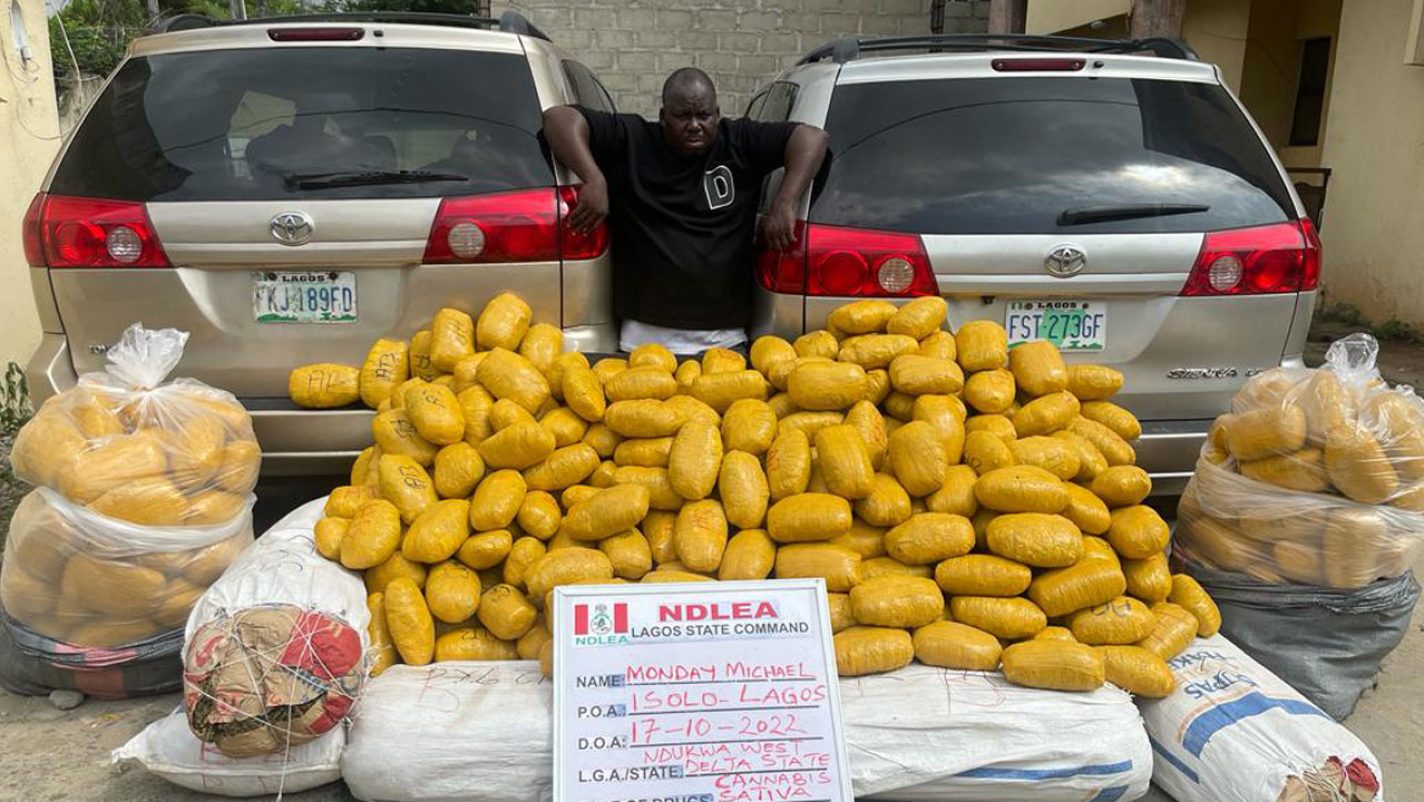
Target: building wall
[1374, 245]
[29, 137]
[1216, 29]
[1061, 16]
[633, 44]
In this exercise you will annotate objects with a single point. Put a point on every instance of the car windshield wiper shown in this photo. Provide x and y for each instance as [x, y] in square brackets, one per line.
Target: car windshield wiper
[1083, 215]
[367, 178]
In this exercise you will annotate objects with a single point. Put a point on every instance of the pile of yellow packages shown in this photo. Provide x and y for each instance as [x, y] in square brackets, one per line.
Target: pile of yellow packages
[143, 498]
[1315, 477]
[967, 505]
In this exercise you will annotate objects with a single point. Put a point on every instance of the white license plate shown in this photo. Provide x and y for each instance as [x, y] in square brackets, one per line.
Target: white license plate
[308, 296]
[1070, 325]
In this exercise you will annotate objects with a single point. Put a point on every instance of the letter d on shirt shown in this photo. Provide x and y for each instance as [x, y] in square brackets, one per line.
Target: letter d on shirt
[717, 183]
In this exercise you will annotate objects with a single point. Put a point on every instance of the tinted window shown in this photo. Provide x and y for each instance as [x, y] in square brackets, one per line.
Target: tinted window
[244, 124]
[754, 108]
[1007, 156]
[589, 91]
[779, 99]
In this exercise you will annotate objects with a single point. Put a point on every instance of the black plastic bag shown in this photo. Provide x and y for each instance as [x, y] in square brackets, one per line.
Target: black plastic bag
[33, 665]
[1327, 643]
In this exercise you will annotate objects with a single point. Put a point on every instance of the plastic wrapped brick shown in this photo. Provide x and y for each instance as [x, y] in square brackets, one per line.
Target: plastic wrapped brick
[87, 593]
[129, 446]
[916, 734]
[275, 653]
[1234, 732]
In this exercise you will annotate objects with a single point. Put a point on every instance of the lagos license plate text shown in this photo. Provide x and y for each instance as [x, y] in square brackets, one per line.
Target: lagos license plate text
[309, 296]
[1069, 325]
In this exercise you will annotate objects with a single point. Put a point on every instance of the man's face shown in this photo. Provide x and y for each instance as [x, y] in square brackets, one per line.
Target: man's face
[689, 117]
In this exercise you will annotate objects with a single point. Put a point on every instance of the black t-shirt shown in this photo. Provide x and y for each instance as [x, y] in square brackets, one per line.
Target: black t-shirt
[682, 226]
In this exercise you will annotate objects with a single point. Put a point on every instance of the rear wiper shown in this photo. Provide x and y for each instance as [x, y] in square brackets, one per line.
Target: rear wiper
[367, 178]
[1083, 215]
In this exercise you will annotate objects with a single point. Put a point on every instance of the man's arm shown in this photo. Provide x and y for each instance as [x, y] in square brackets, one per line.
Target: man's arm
[568, 134]
[805, 151]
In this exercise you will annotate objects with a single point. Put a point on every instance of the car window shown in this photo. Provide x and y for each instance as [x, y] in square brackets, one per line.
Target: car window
[1009, 155]
[779, 99]
[587, 88]
[756, 105]
[259, 124]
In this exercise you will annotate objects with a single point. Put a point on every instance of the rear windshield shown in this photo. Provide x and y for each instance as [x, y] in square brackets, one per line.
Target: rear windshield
[308, 122]
[1010, 155]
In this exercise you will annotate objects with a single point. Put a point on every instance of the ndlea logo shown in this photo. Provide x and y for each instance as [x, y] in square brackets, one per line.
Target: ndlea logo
[597, 624]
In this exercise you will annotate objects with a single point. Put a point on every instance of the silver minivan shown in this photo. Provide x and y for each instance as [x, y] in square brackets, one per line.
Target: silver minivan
[290, 190]
[1114, 198]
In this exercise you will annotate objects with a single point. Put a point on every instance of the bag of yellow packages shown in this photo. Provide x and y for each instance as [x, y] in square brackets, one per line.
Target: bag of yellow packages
[99, 604]
[132, 447]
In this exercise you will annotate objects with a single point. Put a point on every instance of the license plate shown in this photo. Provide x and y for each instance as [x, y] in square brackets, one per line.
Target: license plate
[1069, 325]
[309, 296]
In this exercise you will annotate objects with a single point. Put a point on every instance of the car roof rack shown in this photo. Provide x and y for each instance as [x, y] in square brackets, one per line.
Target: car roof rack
[508, 22]
[851, 48]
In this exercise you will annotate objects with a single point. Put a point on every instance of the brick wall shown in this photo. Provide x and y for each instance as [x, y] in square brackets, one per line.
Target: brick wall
[633, 44]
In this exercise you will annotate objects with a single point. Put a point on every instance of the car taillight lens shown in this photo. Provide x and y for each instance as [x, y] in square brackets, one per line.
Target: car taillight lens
[1037, 64]
[521, 226]
[784, 271]
[1278, 258]
[315, 34]
[65, 232]
[863, 263]
[574, 244]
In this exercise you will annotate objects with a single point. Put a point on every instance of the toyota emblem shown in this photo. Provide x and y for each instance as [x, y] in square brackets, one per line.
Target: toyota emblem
[1065, 261]
[292, 228]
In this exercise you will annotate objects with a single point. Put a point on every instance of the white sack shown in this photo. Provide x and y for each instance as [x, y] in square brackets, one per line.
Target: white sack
[1235, 732]
[168, 749]
[482, 732]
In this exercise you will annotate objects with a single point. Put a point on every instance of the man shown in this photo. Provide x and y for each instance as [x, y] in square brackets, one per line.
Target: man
[681, 198]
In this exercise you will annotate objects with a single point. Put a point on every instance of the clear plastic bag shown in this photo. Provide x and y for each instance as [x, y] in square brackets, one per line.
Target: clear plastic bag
[80, 584]
[1339, 429]
[1233, 523]
[1316, 477]
[130, 447]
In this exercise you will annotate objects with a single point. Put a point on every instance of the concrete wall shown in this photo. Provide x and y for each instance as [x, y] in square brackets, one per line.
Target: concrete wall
[1056, 16]
[633, 44]
[1374, 245]
[1216, 29]
[29, 137]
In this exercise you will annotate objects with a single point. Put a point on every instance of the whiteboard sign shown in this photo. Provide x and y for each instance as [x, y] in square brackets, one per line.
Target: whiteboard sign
[697, 692]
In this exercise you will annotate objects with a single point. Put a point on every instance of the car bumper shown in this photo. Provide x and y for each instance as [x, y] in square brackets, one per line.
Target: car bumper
[1168, 451]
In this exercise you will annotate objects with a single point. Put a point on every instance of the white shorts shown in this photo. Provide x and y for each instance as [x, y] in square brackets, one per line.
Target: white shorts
[679, 341]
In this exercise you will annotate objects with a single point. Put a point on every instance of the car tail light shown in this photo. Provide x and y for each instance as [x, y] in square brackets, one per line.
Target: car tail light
[315, 34]
[501, 227]
[65, 232]
[1310, 276]
[784, 271]
[860, 262]
[573, 244]
[1278, 258]
[521, 226]
[1037, 64]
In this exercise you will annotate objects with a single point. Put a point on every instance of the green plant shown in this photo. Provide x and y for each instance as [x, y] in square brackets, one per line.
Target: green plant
[14, 400]
[1341, 312]
[1396, 330]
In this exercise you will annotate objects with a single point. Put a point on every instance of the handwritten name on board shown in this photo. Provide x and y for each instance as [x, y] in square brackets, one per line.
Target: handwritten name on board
[716, 692]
